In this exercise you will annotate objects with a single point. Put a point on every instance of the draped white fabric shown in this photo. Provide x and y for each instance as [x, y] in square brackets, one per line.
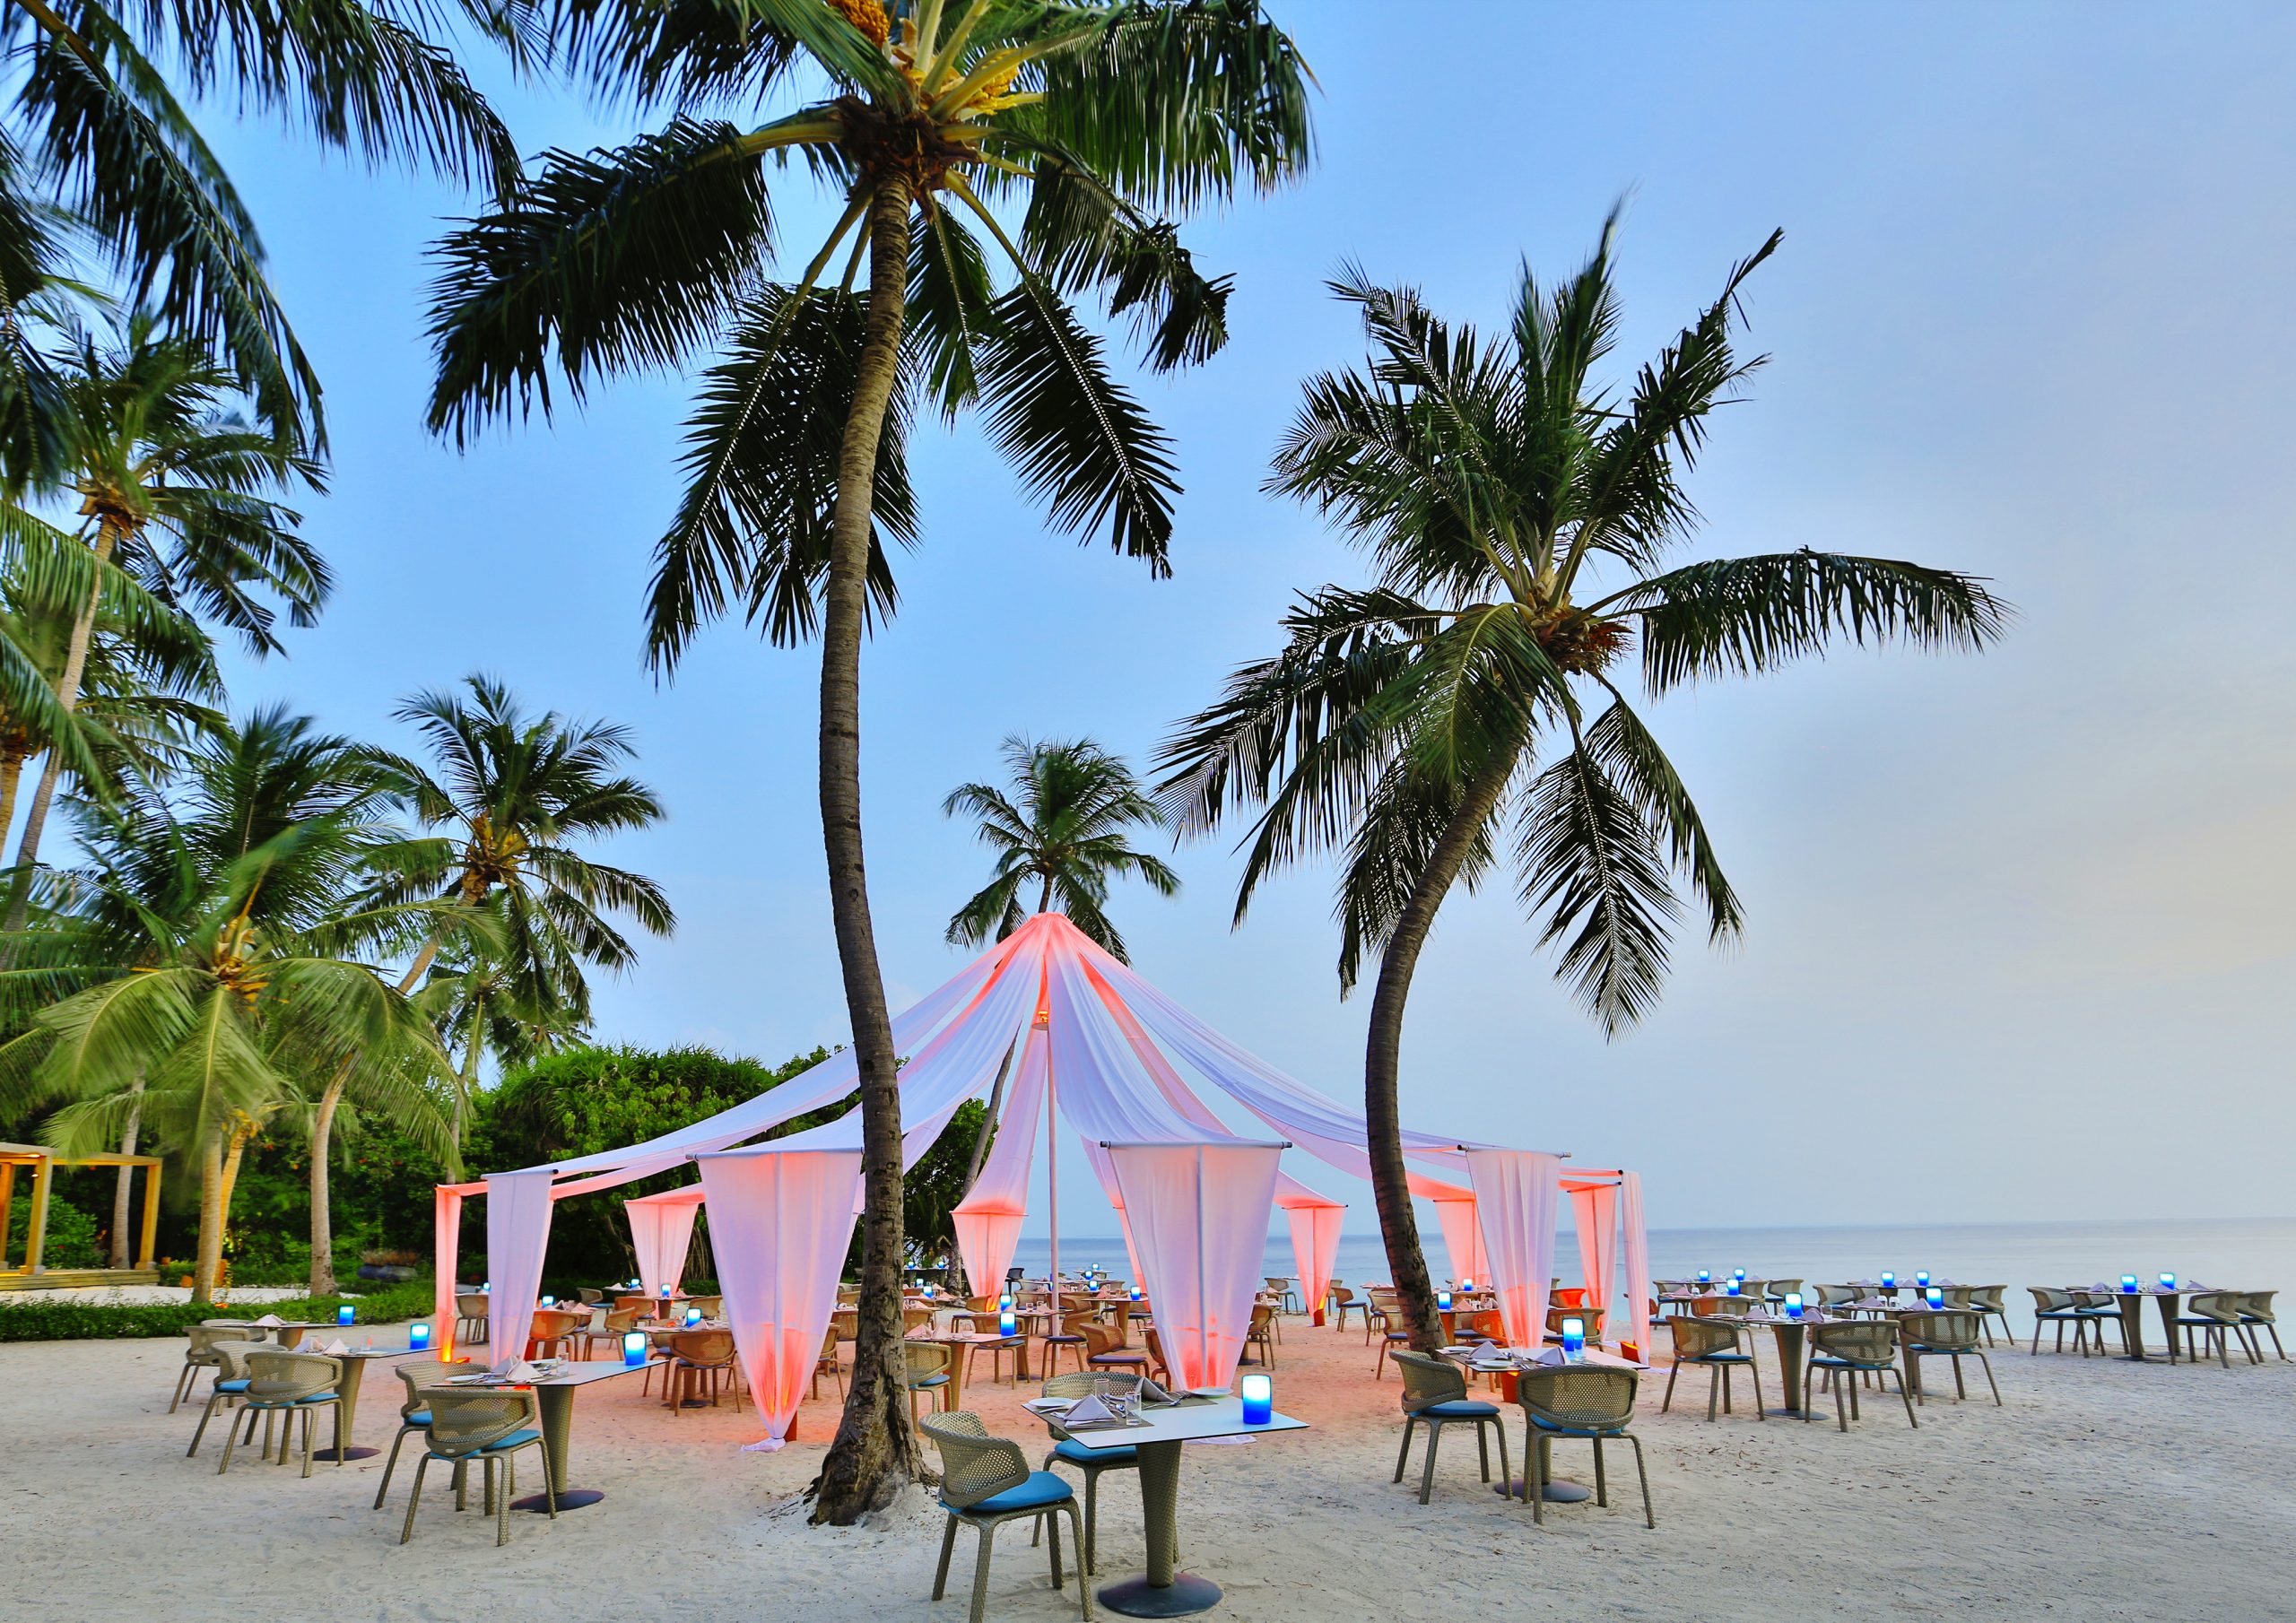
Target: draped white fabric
[518, 1232]
[1516, 1192]
[1593, 1212]
[1463, 1238]
[1199, 1217]
[1315, 1248]
[781, 1222]
[1638, 1259]
[659, 1233]
[988, 1221]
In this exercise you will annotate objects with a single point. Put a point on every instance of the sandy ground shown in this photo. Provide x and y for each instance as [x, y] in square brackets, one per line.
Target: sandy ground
[2103, 1490]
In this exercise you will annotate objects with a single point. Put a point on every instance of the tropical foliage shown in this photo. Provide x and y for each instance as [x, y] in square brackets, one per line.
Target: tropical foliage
[1468, 710]
[1063, 829]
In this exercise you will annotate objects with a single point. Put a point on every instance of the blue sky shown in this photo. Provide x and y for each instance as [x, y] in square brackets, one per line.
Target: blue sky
[2018, 924]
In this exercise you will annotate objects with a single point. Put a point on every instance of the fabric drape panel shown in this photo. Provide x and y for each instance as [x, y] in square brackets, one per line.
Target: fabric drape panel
[518, 1234]
[1593, 1212]
[1463, 1238]
[1104, 1170]
[1315, 1248]
[782, 1220]
[1198, 1215]
[445, 1247]
[1517, 1192]
[1638, 1259]
[988, 1219]
[660, 1231]
[1104, 1092]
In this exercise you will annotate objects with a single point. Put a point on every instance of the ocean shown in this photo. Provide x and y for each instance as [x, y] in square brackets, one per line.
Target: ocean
[2239, 1255]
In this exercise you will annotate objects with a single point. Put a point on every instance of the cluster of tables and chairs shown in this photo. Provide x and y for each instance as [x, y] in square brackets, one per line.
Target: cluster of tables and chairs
[2205, 1318]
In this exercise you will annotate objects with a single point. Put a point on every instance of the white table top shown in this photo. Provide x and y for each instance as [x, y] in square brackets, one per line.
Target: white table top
[1220, 1417]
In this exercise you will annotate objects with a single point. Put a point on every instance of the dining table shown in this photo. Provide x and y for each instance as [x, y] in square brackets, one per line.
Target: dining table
[962, 1345]
[2131, 1303]
[355, 1361]
[1158, 1434]
[1791, 1336]
[554, 1399]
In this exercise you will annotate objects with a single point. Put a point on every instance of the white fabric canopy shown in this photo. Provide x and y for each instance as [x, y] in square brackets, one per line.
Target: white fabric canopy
[1516, 1193]
[1199, 1214]
[660, 1231]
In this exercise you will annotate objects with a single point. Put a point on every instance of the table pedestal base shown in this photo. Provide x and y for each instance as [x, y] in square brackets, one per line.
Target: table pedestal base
[1186, 1595]
[1557, 1492]
[573, 1498]
[331, 1455]
[1798, 1414]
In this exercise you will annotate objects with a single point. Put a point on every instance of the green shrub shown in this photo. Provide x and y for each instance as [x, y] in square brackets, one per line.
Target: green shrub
[35, 1320]
[71, 1237]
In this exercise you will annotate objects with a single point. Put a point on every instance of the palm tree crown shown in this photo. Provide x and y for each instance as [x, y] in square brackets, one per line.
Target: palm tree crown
[1065, 835]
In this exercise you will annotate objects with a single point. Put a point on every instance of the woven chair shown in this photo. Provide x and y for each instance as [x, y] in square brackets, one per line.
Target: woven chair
[415, 1413]
[1839, 1296]
[1159, 1365]
[2053, 1306]
[925, 1367]
[911, 1319]
[1845, 1351]
[1663, 1288]
[2102, 1309]
[1287, 1296]
[1071, 1336]
[231, 1382]
[1987, 1299]
[629, 1301]
[1342, 1298]
[1104, 1347]
[2255, 1314]
[200, 1354]
[288, 1384]
[1591, 1320]
[985, 1482]
[1261, 1333]
[1091, 1462]
[590, 1298]
[698, 1358]
[491, 1427]
[2218, 1323]
[1714, 1343]
[1435, 1395]
[552, 1329]
[1573, 1298]
[712, 1307]
[618, 1323]
[829, 1362]
[1947, 1334]
[1576, 1402]
[1381, 1313]
[1776, 1290]
[471, 1317]
[1487, 1324]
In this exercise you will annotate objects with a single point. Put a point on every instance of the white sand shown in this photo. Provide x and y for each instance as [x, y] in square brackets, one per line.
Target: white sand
[2104, 1491]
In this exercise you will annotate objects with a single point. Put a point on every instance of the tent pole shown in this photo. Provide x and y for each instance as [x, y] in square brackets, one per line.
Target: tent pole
[1052, 1175]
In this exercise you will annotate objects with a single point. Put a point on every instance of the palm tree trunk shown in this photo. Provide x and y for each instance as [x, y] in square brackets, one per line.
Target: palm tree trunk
[469, 1078]
[68, 694]
[874, 1454]
[1382, 1060]
[323, 1281]
[123, 1190]
[211, 1217]
[12, 778]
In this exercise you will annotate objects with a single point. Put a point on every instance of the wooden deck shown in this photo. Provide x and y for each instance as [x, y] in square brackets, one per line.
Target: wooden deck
[77, 1278]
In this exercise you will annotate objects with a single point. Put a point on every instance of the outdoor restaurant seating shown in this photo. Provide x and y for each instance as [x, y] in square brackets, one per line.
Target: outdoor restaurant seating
[698, 1358]
[551, 1329]
[1091, 1462]
[2102, 1308]
[201, 1354]
[985, 1482]
[925, 1367]
[1435, 1395]
[1713, 1343]
[490, 1427]
[830, 1362]
[1987, 1299]
[414, 1412]
[1342, 1298]
[2054, 1306]
[1071, 1336]
[1261, 1333]
[287, 1386]
[1575, 1401]
[230, 1384]
[1104, 1347]
[2256, 1313]
[1945, 1334]
[2218, 1323]
[470, 1316]
[1847, 1351]
[617, 1323]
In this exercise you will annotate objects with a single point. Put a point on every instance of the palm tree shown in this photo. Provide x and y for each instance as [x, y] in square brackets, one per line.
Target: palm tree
[1087, 121]
[1519, 513]
[203, 971]
[481, 1004]
[519, 791]
[94, 127]
[1066, 837]
[178, 492]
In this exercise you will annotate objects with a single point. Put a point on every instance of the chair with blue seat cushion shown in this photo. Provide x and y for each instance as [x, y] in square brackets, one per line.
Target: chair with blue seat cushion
[287, 1386]
[1577, 1401]
[2058, 1308]
[925, 1368]
[230, 1384]
[489, 1426]
[987, 1482]
[1845, 1351]
[1435, 1395]
[1945, 1334]
[415, 1413]
[1091, 1462]
[200, 1354]
[1713, 1341]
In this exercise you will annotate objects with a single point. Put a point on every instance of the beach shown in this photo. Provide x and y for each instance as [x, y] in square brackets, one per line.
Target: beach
[2102, 1489]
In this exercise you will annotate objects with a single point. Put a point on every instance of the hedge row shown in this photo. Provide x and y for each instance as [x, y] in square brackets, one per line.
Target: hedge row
[36, 1321]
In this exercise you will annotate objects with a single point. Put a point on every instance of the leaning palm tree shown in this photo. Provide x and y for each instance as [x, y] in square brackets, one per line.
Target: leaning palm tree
[205, 966]
[94, 123]
[1520, 513]
[521, 793]
[1055, 134]
[1066, 835]
[181, 495]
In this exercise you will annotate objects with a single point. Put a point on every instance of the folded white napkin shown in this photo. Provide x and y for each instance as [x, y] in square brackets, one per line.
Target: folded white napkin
[515, 1370]
[271, 1320]
[1551, 1357]
[1088, 1411]
[1150, 1393]
[337, 1347]
[311, 1344]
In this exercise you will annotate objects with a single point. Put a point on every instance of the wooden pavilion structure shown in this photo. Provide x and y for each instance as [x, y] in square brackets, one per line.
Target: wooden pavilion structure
[25, 1271]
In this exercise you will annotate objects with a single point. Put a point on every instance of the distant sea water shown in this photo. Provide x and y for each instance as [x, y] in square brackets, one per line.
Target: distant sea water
[2239, 1254]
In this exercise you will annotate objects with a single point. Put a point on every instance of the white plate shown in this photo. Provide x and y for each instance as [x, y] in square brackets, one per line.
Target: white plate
[1207, 1391]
